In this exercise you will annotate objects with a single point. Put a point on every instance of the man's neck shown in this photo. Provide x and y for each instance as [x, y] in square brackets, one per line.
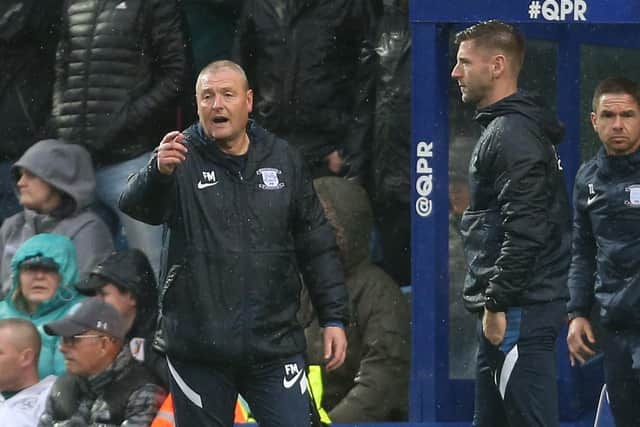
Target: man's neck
[500, 92]
[27, 379]
[237, 147]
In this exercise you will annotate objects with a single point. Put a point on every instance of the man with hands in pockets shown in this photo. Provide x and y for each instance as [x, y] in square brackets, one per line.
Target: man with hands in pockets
[244, 223]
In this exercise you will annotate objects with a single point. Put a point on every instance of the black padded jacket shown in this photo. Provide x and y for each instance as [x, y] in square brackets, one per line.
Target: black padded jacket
[516, 231]
[120, 66]
[606, 240]
[239, 240]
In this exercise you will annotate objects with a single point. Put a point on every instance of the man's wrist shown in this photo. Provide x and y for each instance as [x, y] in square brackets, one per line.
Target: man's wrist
[493, 305]
[573, 314]
[334, 323]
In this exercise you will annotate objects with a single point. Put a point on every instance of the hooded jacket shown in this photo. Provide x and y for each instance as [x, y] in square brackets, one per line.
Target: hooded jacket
[68, 169]
[131, 271]
[239, 240]
[516, 231]
[606, 240]
[28, 37]
[312, 67]
[61, 250]
[120, 67]
[373, 383]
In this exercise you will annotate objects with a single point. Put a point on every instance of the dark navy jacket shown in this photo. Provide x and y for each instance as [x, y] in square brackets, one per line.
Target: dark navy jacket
[516, 231]
[606, 240]
[238, 243]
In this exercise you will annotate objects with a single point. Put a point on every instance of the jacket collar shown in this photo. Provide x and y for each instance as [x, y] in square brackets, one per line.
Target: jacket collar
[260, 145]
[617, 165]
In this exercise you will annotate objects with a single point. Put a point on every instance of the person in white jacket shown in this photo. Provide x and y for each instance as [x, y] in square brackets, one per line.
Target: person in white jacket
[22, 396]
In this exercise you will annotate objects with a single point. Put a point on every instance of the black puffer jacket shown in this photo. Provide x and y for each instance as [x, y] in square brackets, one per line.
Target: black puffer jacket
[28, 37]
[606, 240]
[238, 241]
[516, 230]
[120, 67]
[312, 68]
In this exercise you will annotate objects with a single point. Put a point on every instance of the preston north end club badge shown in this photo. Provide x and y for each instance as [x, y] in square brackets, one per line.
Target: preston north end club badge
[270, 180]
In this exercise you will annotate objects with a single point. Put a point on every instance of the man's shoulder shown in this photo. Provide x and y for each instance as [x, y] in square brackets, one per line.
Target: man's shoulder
[587, 170]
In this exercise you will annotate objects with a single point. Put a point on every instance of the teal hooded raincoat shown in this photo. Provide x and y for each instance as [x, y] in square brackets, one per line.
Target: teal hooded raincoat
[63, 252]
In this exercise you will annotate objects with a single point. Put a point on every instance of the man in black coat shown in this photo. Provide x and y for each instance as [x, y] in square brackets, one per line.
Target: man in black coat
[605, 268]
[515, 232]
[312, 66]
[244, 222]
[28, 36]
[120, 68]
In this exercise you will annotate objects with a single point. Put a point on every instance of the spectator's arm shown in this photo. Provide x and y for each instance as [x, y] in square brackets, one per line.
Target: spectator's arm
[244, 41]
[357, 144]
[143, 405]
[60, 71]
[169, 65]
[94, 244]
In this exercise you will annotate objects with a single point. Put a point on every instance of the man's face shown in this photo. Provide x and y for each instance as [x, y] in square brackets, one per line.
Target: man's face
[36, 194]
[9, 361]
[85, 354]
[38, 284]
[473, 73]
[224, 104]
[617, 122]
[123, 301]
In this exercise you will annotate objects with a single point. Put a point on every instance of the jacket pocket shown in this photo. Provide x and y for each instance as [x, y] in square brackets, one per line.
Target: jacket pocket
[622, 310]
[159, 338]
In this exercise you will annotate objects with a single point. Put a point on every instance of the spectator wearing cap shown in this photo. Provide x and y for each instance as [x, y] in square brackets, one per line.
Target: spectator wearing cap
[44, 271]
[104, 384]
[55, 184]
[126, 281]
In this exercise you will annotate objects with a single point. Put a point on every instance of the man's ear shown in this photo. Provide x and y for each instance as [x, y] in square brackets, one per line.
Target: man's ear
[498, 65]
[594, 121]
[27, 357]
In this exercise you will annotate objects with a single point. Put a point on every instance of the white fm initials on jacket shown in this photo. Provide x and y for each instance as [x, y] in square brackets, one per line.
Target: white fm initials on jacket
[208, 180]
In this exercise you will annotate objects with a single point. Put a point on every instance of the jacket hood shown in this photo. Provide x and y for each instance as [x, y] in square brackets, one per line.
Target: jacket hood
[63, 252]
[529, 105]
[348, 210]
[129, 270]
[67, 167]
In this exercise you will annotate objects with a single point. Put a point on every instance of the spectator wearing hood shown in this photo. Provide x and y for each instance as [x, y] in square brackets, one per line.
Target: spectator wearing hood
[43, 272]
[373, 383]
[55, 183]
[126, 281]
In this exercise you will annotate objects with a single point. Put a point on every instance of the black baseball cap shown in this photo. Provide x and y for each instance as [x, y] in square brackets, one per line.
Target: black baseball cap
[91, 314]
[39, 261]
